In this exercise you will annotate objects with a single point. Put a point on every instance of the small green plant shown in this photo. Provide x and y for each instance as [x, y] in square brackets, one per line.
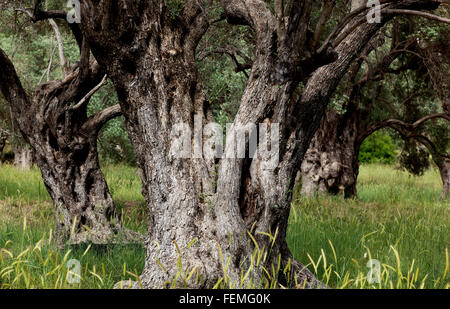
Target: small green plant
[378, 148]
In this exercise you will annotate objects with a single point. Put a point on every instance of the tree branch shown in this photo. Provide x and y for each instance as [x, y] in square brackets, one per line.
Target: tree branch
[233, 53]
[86, 98]
[62, 58]
[36, 14]
[323, 19]
[98, 120]
[416, 13]
[406, 129]
[12, 88]
[253, 13]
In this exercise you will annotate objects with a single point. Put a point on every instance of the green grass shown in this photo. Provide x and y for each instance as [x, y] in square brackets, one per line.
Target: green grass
[26, 186]
[397, 219]
[394, 212]
[28, 259]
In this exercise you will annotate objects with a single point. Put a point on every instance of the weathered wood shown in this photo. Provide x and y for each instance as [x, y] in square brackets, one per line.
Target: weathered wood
[66, 152]
[148, 50]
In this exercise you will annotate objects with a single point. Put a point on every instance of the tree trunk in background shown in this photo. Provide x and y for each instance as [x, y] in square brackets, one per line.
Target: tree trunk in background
[72, 175]
[64, 140]
[23, 157]
[444, 169]
[3, 138]
[331, 162]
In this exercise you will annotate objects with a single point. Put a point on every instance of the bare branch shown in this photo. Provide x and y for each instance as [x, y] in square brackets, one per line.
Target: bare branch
[12, 88]
[98, 120]
[406, 129]
[86, 98]
[416, 13]
[50, 63]
[62, 57]
[323, 19]
[36, 15]
[233, 52]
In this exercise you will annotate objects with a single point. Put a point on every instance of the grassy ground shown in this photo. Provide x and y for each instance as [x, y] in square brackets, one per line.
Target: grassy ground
[397, 219]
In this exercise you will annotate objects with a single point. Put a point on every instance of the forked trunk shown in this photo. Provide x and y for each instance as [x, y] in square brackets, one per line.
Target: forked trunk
[63, 140]
[84, 207]
[211, 225]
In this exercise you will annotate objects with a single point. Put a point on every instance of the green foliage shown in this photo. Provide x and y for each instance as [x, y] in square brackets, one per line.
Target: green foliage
[378, 147]
[414, 158]
[114, 146]
[223, 85]
[175, 7]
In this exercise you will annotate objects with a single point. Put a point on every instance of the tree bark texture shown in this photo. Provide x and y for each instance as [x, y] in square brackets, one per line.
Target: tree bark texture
[331, 163]
[444, 170]
[63, 141]
[23, 157]
[3, 139]
[209, 217]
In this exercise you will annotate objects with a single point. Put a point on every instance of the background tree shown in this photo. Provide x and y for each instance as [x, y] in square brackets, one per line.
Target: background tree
[54, 121]
[393, 79]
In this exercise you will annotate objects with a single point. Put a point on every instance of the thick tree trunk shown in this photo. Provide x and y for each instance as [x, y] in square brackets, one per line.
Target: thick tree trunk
[23, 157]
[63, 140]
[199, 222]
[84, 207]
[331, 162]
[444, 170]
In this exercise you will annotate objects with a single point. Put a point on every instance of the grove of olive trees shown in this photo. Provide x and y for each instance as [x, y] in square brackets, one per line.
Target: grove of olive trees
[321, 76]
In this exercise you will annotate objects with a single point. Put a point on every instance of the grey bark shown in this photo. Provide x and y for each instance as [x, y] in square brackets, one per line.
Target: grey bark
[23, 157]
[150, 56]
[63, 141]
[444, 170]
[356, 4]
[330, 165]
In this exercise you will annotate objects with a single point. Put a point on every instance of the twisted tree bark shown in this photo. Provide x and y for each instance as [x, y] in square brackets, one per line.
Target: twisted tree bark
[331, 163]
[63, 140]
[3, 138]
[207, 220]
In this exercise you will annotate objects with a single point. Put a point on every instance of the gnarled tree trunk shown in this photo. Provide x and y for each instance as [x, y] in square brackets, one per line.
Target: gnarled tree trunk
[63, 140]
[200, 221]
[444, 170]
[3, 138]
[23, 157]
[331, 162]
